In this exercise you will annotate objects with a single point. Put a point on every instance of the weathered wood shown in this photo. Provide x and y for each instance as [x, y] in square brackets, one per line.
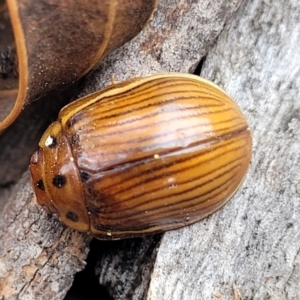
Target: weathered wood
[180, 33]
[38, 256]
[125, 268]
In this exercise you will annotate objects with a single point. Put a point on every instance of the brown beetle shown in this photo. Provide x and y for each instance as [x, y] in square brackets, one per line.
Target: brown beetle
[144, 156]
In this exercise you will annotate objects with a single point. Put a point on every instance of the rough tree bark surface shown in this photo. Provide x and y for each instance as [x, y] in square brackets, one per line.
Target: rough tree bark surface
[249, 249]
[37, 258]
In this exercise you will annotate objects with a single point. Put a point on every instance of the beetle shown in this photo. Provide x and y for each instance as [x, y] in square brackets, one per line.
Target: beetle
[144, 156]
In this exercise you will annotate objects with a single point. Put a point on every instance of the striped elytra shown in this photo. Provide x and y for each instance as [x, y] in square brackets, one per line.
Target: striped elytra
[144, 156]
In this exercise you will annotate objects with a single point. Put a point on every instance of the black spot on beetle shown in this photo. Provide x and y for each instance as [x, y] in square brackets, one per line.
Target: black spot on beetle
[72, 216]
[84, 176]
[59, 180]
[40, 184]
[75, 139]
[53, 142]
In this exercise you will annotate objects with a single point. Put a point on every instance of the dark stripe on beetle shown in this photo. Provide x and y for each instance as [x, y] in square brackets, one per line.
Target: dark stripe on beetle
[104, 227]
[171, 173]
[87, 113]
[171, 208]
[138, 141]
[210, 198]
[122, 95]
[162, 145]
[137, 90]
[141, 94]
[70, 123]
[86, 129]
[179, 161]
[190, 203]
[198, 178]
[93, 209]
[90, 131]
[135, 107]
